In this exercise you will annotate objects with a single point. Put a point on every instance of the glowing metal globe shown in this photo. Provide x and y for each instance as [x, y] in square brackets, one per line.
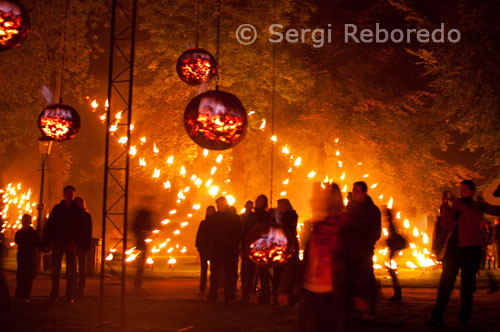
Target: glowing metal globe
[270, 245]
[196, 66]
[215, 120]
[59, 122]
[14, 24]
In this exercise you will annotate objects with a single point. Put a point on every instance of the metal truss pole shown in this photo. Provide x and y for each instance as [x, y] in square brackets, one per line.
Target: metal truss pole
[116, 158]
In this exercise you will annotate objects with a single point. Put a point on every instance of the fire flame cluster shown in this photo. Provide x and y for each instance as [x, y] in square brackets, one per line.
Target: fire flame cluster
[271, 248]
[226, 129]
[10, 27]
[196, 69]
[56, 128]
[417, 256]
[15, 202]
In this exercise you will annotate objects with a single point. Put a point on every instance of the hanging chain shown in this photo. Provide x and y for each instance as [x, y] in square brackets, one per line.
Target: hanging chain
[61, 84]
[272, 108]
[217, 44]
[198, 23]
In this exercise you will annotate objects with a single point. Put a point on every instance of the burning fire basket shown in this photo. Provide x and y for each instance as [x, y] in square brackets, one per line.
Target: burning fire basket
[196, 66]
[59, 122]
[270, 245]
[215, 120]
[14, 24]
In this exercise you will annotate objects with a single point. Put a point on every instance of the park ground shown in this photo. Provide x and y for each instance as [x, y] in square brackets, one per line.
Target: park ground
[169, 303]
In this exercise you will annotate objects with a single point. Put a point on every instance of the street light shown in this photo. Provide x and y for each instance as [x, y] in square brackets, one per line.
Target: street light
[44, 146]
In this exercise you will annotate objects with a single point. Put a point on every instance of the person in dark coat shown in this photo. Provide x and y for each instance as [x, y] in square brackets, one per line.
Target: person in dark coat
[223, 231]
[261, 215]
[461, 218]
[286, 216]
[247, 222]
[395, 243]
[64, 230]
[27, 240]
[365, 222]
[83, 246]
[323, 277]
[202, 247]
[142, 228]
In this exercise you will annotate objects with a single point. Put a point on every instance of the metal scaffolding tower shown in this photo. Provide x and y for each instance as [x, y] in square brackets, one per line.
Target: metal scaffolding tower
[116, 158]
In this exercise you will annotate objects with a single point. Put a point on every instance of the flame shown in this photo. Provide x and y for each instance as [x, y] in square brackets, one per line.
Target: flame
[182, 171]
[415, 231]
[213, 170]
[230, 199]
[270, 248]
[366, 175]
[165, 221]
[311, 174]
[184, 224]
[176, 232]
[411, 265]
[374, 185]
[398, 215]
[297, 162]
[263, 124]
[143, 139]
[58, 126]
[167, 185]
[285, 149]
[196, 206]
[213, 191]
[172, 261]
[274, 139]
[337, 153]
[406, 223]
[142, 162]
[205, 153]
[170, 160]
[123, 140]
[109, 257]
[390, 203]
[340, 163]
[106, 103]
[218, 159]
[425, 238]
[172, 212]
[344, 189]
[149, 260]
[156, 173]
[286, 181]
[133, 150]
[385, 232]
[113, 128]
[94, 104]
[283, 193]
[155, 149]
[342, 177]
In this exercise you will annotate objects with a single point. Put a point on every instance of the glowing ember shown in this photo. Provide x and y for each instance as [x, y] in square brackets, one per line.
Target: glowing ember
[59, 122]
[14, 24]
[269, 245]
[196, 66]
[215, 120]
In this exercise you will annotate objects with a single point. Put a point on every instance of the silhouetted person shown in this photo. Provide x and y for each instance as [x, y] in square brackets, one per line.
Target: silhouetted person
[461, 218]
[248, 221]
[324, 275]
[365, 222]
[496, 240]
[286, 216]
[27, 240]
[261, 215]
[64, 230]
[223, 235]
[142, 228]
[83, 246]
[203, 249]
[395, 242]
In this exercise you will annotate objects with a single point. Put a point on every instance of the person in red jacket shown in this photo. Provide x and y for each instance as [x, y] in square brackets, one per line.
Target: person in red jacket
[461, 219]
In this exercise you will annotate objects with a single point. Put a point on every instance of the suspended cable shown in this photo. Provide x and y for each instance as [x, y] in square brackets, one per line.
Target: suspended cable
[272, 107]
[61, 81]
[217, 45]
[198, 22]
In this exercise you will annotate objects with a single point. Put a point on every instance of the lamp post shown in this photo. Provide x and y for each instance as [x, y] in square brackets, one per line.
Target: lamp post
[44, 146]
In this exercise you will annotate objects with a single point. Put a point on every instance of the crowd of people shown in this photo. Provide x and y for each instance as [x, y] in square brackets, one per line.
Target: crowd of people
[335, 278]
[68, 232]
[332, 281]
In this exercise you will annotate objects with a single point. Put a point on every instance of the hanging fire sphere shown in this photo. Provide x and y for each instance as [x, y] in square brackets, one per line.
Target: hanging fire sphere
[59, 122]
[215, 120]
[196, 66]
[14, 24]
[270, 245]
